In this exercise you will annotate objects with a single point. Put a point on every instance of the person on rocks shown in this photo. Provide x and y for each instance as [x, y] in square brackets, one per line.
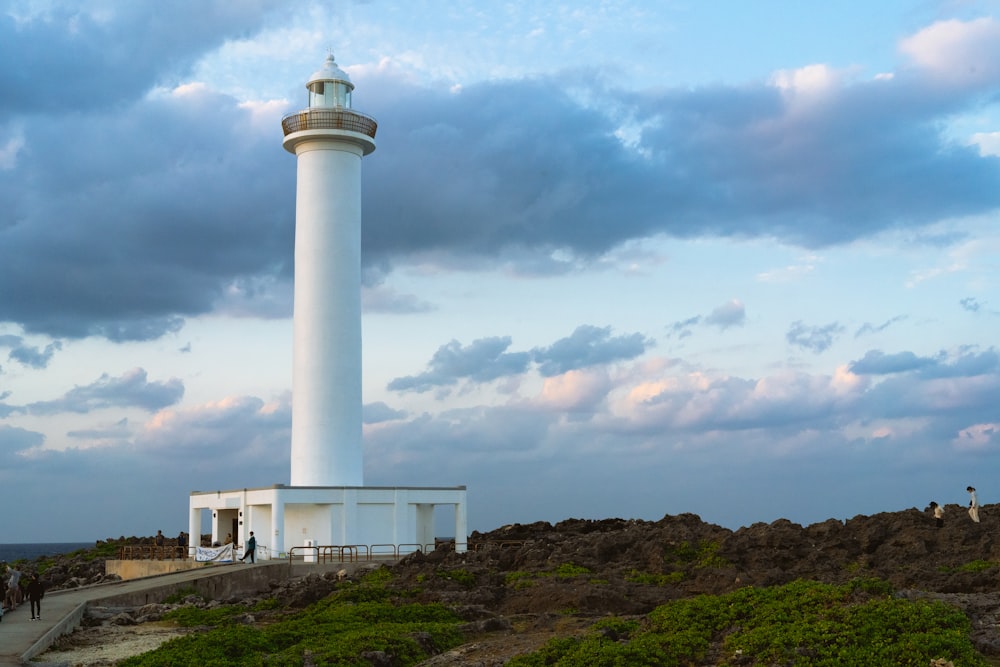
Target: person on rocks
[938, 514]
[973, 503]
[251, 547]
[35, 592]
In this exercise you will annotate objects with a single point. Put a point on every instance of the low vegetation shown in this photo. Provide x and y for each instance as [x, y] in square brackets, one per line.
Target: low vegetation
[358, 620]
[802, 623]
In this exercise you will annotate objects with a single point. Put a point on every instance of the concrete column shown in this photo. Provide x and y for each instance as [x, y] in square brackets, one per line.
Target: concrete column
[194, 529]
[277, 535]
[461, 527]
[424, 520]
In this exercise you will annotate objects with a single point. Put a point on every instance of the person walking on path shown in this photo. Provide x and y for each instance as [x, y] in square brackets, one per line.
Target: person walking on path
[973, 503]
[13, 597]
[35, 592]
[251, 547]
[938, 514]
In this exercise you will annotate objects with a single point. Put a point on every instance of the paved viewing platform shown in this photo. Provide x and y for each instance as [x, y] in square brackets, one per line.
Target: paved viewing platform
[22, 639]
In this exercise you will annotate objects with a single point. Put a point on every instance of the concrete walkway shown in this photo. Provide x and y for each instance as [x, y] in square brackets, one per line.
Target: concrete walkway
[21, 639]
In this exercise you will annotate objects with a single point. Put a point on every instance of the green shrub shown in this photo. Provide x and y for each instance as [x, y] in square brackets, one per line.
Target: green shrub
[702, 555]
[519, 580]
[458, 575]
[355, 619]
[570, 570]
[972, 566]
[805, 624]
[191, 617]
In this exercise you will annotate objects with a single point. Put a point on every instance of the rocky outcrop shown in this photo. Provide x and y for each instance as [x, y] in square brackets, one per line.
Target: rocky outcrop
[586, 569]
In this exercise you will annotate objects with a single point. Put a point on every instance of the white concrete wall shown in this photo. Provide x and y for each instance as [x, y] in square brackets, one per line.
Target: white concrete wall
[283, 517]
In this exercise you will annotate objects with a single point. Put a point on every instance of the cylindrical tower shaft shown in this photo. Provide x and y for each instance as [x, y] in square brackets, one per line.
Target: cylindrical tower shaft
[326, 385]
[329, 140]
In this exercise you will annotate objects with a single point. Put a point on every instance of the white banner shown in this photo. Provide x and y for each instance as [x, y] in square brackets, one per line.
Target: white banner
[223, 554]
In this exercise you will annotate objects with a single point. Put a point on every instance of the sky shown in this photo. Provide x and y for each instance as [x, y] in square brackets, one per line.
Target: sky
[620, 259]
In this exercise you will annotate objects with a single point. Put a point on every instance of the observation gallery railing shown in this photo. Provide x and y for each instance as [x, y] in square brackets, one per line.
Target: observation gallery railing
[329, 119]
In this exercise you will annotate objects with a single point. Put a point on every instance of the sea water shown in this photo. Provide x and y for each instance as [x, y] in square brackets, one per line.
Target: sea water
[30, 551]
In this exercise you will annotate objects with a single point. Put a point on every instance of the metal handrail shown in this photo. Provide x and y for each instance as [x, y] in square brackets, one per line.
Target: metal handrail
[329, 119]
[393, 550]
[324, 553]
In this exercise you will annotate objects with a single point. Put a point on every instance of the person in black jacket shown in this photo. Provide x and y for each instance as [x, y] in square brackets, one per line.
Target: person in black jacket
[251, 547]
[35, 592]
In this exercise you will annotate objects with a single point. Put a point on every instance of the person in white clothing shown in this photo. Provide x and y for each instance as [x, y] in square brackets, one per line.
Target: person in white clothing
[938, 514]
[973, 504]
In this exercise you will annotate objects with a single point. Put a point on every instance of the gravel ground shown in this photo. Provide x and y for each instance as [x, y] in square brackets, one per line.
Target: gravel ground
[106, 645]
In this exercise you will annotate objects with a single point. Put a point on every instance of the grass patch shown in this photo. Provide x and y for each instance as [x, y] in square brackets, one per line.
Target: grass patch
[519, 580]
[569, 570]
[972, 566]
[355, 620]
[805, 624]
[654, 579]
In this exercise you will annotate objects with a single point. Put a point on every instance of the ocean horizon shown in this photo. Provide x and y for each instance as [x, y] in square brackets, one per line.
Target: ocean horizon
[32, 550]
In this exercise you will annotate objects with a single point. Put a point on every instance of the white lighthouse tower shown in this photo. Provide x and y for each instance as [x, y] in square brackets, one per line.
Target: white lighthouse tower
[327, 506]
[328, 139]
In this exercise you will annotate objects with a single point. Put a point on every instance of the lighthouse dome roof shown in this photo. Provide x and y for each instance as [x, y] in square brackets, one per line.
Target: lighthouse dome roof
[330, 72]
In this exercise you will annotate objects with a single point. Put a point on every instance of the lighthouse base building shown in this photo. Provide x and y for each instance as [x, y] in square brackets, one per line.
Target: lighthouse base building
[363, 520]
[327, 503]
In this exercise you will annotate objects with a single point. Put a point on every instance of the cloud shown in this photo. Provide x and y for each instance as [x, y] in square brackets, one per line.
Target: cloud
[486, 359]
[117, 433]
[73, 41]
[868, 328]
[244, 427]
[730, 314]
[34, 357]
[957, 54]
[813, 338]
[588, 346]
[177, 201]
[970, 304]
[682, 328]
[14, 442]
[875, 362]
[978, 436]
[374, 413]
[129, 390]
[482, 361]
[385, 300]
